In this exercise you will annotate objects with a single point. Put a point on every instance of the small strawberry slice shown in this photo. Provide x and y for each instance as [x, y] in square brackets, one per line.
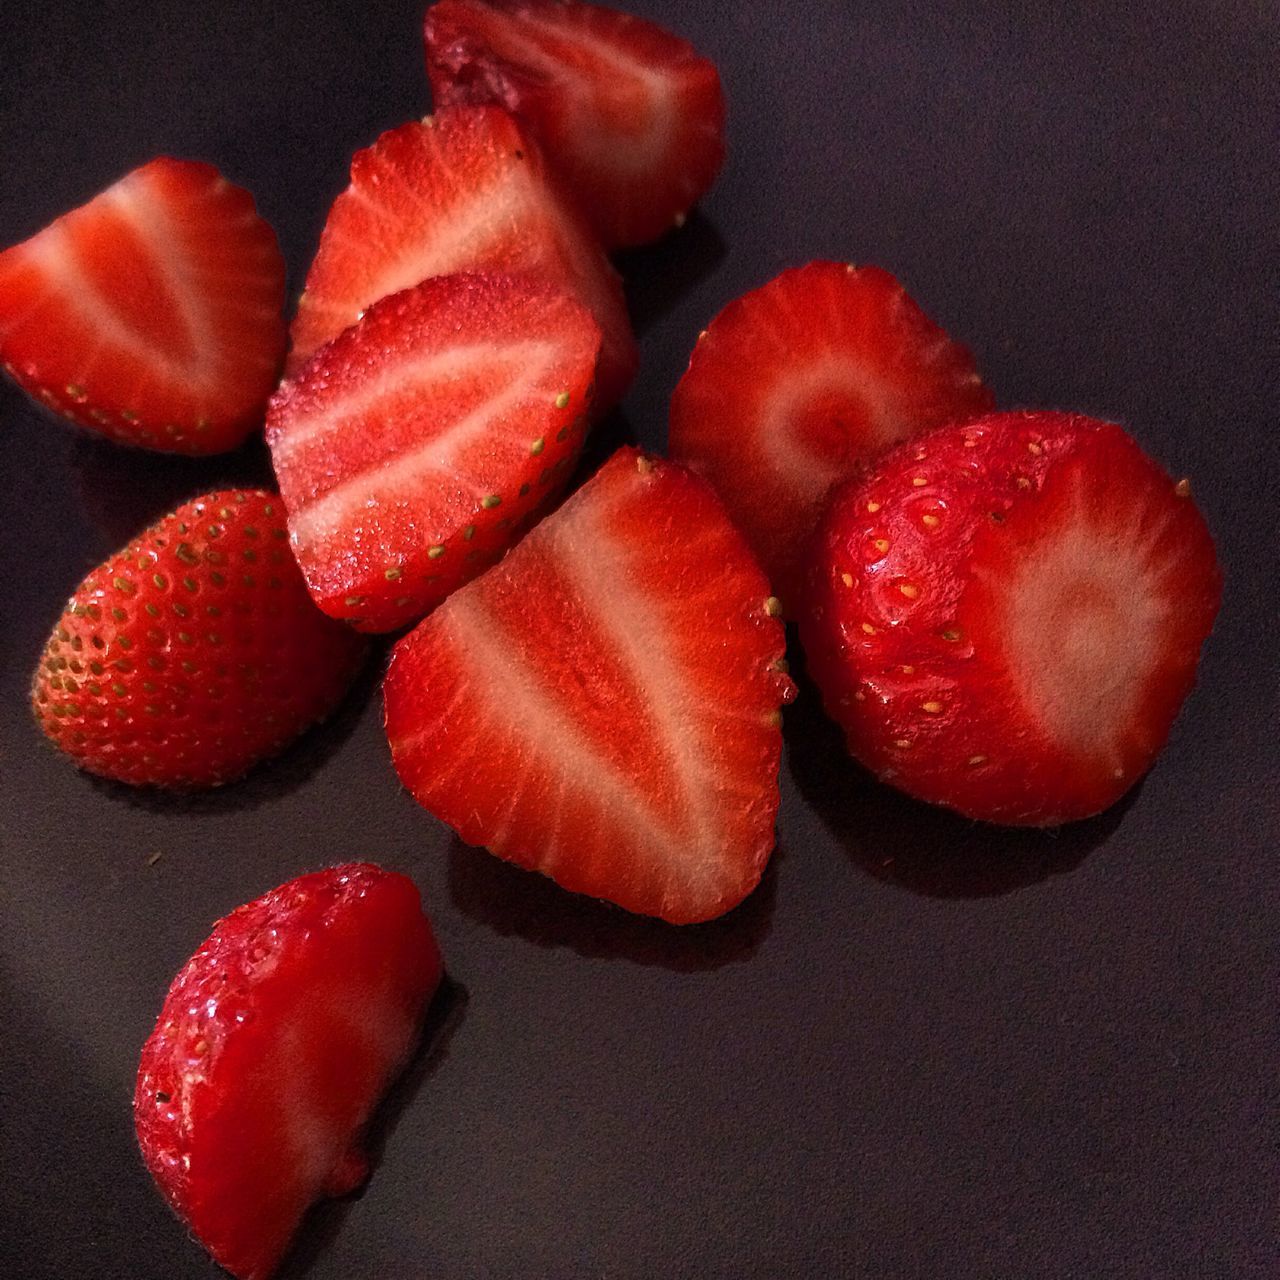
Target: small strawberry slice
[275, 1043]
[1006, 615]
[413, 447]
[461, 191]
[629, 114]
[152, 314]
[602, 706]
[796, 385]
[193, 653]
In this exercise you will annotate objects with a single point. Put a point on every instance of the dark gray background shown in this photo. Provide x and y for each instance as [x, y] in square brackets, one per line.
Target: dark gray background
[923, 1048]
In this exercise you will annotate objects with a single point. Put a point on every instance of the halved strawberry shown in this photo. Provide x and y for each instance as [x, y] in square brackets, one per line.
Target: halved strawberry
[194, 652]
[412, 447]
[152, 314]
[463, 190]
[602, 706]
[1006, 615]
[275, 1043]
[629, 114]
[796, 385]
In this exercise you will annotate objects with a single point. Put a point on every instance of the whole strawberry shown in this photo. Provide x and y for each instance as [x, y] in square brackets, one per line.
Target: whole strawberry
[193, 653]
[1006, 615]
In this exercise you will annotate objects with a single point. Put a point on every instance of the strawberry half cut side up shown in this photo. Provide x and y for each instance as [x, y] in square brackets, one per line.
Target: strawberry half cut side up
[276, 1041]
[193, 653]
[603, 705]
[151, 315]
[797, 385]
[465, 190]
[1005, 616]
[630, 116]
[412, 449]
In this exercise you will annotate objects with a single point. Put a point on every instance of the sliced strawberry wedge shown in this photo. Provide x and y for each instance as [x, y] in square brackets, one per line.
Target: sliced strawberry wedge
[629, 114]
[461, 191]
[275, 1043]
[602, 706]
[798, 384]
[152, 314]
[412, 447]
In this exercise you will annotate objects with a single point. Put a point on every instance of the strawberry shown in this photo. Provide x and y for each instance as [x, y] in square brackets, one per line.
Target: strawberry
[463, 190]
[602, 706]
[796, 385]
[194, 652]
[152, 314]
[411, 449]
[275, 1043]
[629, 114]
[1005, 615]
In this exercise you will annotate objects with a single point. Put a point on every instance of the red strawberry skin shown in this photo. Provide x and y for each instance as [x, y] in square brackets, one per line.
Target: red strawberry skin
[193, 653]
[151, 315]
[1005, 616]
[603, 705]
[275, 1043]
[629, 115]
[797, 385]
[412, 449]
[465, 190]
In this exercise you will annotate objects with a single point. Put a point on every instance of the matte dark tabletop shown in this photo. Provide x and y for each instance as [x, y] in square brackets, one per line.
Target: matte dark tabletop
[923, 1047]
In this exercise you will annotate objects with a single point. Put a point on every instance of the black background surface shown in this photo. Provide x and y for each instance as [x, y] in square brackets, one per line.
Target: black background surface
[922, 1048]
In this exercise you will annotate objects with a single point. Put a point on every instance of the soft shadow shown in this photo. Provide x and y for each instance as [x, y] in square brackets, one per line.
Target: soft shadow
[324, 1221]
[919, 847]
[513, 902]
[604, 439]
[658, 275]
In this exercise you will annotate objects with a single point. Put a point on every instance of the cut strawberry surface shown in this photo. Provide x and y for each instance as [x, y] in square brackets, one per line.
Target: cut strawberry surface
[798, 384]
[1005, 616]
[603, 705]
[152, 314]
[629, 115]
[413, 447]
[275, 1043]
[463, 191]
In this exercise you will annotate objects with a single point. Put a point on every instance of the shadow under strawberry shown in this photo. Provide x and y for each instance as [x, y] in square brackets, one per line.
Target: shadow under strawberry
[514, 902]
[658, 275]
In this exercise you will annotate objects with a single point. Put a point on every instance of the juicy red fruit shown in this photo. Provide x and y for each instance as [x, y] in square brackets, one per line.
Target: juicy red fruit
[1005, 616]
[630, 116]
[152, 314]
[274, 1045]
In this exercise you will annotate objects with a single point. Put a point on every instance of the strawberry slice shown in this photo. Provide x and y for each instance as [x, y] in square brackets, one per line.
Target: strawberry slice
[602, 706]
[152, 314]
[413, 447]
[796, 385]
[461, 191]
[194, 652]
[1006, 615]
[275, 1043]
[629, 114]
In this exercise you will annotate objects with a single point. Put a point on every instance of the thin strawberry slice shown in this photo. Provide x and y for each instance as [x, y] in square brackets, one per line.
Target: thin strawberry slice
[602, 706]
[629, 114]
[275, 1043]
[152, 314]
[796, 385]
[461, 191]
[411, 448]
[1006, 615]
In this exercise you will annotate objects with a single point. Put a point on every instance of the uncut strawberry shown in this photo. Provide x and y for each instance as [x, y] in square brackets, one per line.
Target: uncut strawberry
[603, 705]
[1006, 615]
[151, 315]
[797, 385]
[629, 115]
[412, 448]
[275, 1043]
[193, 653]
[465, 190]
